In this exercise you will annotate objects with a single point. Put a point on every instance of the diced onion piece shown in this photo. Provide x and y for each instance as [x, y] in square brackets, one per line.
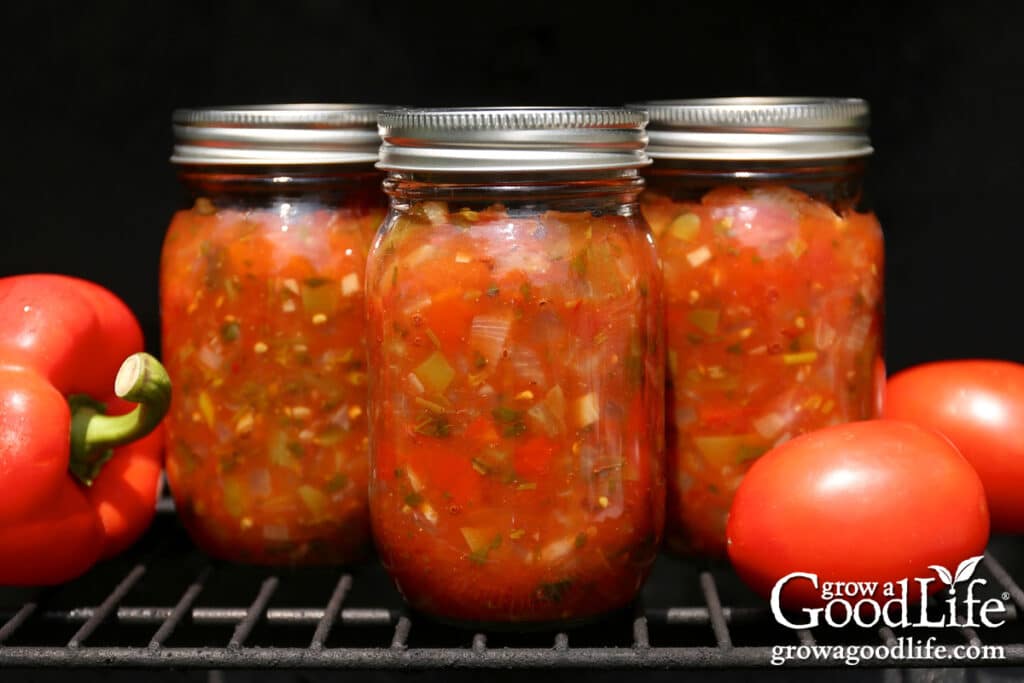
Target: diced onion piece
[350, 284]
[417, 305]
[419, 255]
[463, 257]
[245, 423]
[824, 335]
[685, 227]
[549, 414]
[435, 373]
[859, 330]
[528, 366]
[557, 550]
[210, 358]
[416, 383]
[555, 401]
[488, 335]
[414, 480]
[769, 425]
[437, 212]
[699, 256]
[429, 512]
[586, 410]
[705, 319]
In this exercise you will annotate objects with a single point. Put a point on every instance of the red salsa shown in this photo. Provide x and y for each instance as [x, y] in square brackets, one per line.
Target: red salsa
[517, 396]
[773, 314]
[264, 335]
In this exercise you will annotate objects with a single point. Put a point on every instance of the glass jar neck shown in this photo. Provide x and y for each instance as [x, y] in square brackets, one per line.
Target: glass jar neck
[583, 189]
[266, 186]
[838, 182]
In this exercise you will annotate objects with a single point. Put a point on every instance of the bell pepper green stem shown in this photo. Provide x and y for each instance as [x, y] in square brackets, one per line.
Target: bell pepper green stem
[141, 379]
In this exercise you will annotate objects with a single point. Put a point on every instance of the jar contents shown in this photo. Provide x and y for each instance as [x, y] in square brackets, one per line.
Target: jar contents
[773, 314]
[264, 336]
[518, 391]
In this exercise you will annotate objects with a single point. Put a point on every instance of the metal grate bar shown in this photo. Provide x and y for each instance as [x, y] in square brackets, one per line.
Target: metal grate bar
[253, 614]
[1005, 580]
[296, 616]
[433, 658]
[183, 619]
[108, 606]
[641, 635]
[180, 609]
[16, 621]
[401, 638]
[718, 625]
[701, 616]
[971, 636]
[323, 628]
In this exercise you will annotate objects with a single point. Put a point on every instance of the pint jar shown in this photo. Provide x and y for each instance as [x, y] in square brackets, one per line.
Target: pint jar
[261, 292]
[773, 288]
[517, 364]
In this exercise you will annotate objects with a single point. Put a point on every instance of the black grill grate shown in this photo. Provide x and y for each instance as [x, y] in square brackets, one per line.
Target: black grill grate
[166, 605]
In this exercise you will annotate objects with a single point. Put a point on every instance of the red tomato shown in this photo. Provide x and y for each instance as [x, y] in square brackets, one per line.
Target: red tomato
[866, 501]
[979, 406]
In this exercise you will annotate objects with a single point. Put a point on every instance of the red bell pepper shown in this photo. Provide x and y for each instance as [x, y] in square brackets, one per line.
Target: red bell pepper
[77, 484]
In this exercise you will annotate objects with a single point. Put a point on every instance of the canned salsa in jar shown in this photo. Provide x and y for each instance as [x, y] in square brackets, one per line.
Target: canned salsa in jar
[517, 365]
[773, 288]
[263, 330]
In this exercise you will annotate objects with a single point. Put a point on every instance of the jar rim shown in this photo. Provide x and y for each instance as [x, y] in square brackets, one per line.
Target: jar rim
[512, 139]
[276, 134]
[758, 128]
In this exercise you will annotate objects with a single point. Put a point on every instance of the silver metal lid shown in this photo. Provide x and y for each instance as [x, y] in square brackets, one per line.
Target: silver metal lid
[758, 128]
[512, 139]
[276, 134]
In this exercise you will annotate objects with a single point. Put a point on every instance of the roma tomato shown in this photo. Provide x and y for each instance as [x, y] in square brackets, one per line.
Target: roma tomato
[979, 406]
[879, 500]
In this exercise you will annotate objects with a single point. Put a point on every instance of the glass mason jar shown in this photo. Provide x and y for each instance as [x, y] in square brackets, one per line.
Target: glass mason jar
[773, 288]
[517, 364]
[261, 293]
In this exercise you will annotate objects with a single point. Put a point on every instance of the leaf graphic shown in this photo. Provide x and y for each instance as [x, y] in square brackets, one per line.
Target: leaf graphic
[966, 568]
[943, 573]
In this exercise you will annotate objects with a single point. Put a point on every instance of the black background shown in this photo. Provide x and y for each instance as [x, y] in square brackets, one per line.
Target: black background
[90, 87]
